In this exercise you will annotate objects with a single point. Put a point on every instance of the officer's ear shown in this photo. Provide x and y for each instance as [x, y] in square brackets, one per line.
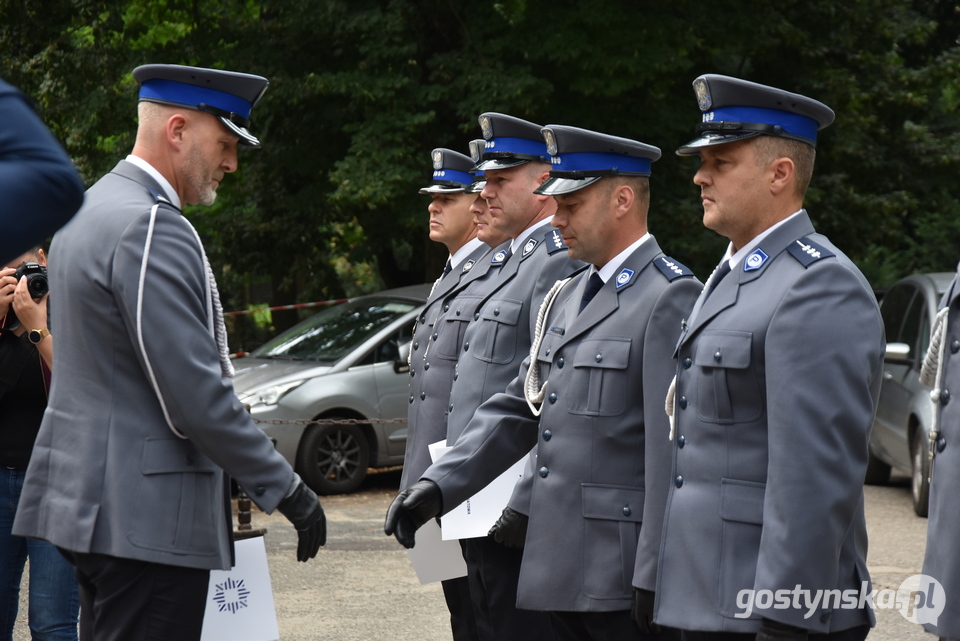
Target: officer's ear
[782, 176]
[174, 129]
[623, 198]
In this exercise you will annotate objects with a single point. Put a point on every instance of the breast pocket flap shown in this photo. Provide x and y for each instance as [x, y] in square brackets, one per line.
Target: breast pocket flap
[605, 354]
[502, 311]
[723, 349]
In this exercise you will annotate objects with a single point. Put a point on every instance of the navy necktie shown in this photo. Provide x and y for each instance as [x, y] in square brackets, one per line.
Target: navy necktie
[593, 286]
[722, 270]
[447, 268]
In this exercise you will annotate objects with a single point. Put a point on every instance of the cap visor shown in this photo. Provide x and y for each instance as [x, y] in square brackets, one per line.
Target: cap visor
[708, 139]
[246, 138]
[557, 186]
[499, 163]
[443, 189]
[476, 188]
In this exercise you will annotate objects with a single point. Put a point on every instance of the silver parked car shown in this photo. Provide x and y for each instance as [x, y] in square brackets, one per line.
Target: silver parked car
[346, 362]
[905, 411]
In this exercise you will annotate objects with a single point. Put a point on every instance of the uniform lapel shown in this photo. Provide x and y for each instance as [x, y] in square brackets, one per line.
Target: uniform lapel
[727, 291]
[460, 274]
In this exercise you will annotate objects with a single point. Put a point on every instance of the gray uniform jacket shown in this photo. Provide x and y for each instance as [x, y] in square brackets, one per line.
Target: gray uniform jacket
[942, 560]
[497, 323]
[108, 474]
[778, 377]
[432, 366]
[601, 432]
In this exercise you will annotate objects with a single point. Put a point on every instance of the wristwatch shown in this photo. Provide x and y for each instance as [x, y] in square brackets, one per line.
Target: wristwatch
[37, 335]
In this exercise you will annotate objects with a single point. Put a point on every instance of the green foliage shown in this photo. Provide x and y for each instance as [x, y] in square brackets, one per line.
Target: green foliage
[361, 91]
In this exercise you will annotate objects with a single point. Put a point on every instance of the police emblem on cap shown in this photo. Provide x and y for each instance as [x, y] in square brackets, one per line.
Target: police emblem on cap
[437, 159]
[476, 149]
[551, 141]
[529, 247]
[703, 94]
[624, 277]
[755, 260]
[486, 127]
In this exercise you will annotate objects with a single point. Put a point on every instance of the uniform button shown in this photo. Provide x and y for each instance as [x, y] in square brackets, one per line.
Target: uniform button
[426, 366]
[411, 400]
[423, 395]
[456, 375]
[598, 357]
[423, 318]
[413, 373]
[547, 353]
[552, 398]
[678, 481]
[458, 312]
[955, 347]
[941, 443]
[547, 435]
[544, 472]
[560, 362]
[626, 510]
[434, 336]
[681, 441]
[716, 356]
[687, 362]
[476, 316]
[496, 312]
[416, 345]
[944, 397]
[450, 407]
[682, 402]
[446, 308]
[261, 490]
[466, 346]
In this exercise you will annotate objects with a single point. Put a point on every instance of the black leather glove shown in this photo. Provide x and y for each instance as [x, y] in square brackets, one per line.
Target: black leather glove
[410, 509]
[642, 611]
[775, 631]
[510, 530]
[302, 508]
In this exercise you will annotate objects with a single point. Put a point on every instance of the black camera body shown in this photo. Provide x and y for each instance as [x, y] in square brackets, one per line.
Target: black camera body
[37, 283]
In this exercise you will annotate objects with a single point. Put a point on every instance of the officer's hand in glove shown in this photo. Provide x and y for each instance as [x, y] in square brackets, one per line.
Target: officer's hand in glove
[302, 508]
[412, 508]
[774, 631]
[642, 612]
[510, 530]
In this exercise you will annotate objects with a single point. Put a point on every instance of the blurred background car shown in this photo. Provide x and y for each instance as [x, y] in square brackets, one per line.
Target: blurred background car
[905, 411]
[348, 361]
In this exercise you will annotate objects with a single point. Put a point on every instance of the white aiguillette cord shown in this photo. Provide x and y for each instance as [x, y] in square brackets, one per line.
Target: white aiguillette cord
[214, 316]
[533, 391]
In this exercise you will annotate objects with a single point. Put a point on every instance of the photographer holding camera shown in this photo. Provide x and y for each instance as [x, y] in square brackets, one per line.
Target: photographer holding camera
[26, 352]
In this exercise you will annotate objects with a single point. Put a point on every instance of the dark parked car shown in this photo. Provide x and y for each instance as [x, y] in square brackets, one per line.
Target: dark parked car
[905, 411]
[346, 362]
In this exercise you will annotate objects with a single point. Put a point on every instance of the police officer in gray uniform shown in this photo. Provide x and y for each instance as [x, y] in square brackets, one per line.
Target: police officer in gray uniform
[942, 559]
[452, 223]
[779, 369]
[596, 376]
[127, 473]
[497, 328]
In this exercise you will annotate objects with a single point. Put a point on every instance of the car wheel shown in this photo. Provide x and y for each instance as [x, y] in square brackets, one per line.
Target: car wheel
[333, 459]
[920, 474]
[878, 472]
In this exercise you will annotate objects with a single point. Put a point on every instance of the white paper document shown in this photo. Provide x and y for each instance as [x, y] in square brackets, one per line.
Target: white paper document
[434, 559]
[474, 517]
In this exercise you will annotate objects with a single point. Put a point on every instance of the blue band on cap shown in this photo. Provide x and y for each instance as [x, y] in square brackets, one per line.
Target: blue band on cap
[516, 146]
[593, 161]
[184, 94]
[448, 175]
[794, 124]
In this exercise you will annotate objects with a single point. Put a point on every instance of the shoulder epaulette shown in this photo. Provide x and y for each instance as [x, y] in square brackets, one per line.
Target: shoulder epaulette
[808, 252]
[671, 268]
[554, 241]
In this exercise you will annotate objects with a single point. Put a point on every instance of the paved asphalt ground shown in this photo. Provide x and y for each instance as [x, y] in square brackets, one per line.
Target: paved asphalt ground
[361, 586]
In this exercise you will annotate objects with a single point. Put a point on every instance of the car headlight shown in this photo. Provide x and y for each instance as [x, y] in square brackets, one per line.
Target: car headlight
[269, 395]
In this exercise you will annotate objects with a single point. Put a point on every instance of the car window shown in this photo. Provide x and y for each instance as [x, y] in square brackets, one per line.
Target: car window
[893, 309]
[389, 350]
[334, 332]
[910, 332]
